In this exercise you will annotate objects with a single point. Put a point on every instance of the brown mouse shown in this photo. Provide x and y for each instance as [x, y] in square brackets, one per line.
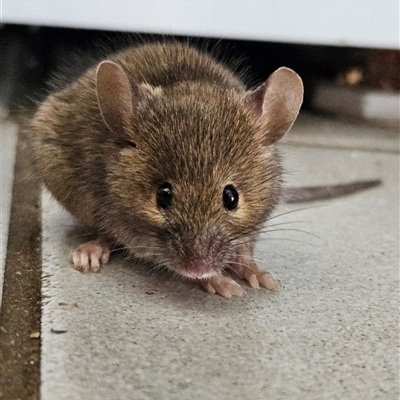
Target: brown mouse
[165, 153]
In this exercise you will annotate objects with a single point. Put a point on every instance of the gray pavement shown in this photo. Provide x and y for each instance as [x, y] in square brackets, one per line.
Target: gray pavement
[331, 332]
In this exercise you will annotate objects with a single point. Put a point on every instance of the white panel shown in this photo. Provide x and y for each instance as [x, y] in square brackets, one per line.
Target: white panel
[365, 23]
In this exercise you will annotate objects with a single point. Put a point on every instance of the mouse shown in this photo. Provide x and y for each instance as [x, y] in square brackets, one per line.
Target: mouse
[166, 153]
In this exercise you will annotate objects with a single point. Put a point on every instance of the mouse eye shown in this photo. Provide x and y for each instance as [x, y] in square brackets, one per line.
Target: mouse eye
[164, 195]
[230, 197]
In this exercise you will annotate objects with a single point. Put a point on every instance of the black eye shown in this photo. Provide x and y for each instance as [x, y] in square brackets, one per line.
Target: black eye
[164, 195]
[230, 197]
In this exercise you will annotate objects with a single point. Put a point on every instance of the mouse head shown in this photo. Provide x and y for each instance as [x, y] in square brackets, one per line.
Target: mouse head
[196, 173]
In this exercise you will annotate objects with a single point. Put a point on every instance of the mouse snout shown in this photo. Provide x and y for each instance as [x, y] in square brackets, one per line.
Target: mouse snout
[200, 268]
[201, 259]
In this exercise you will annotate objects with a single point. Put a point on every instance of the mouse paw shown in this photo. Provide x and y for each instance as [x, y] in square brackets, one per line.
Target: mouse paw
[247, 269]
[222, 285]
[255, 276]
[91, 255]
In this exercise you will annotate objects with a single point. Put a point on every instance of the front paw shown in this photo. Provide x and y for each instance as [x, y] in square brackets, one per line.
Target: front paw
[255, 276]
[91, 255]
[223, 285]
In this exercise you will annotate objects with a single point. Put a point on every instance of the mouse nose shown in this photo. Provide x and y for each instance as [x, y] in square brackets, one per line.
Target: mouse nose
[201, 255]
[200, 268]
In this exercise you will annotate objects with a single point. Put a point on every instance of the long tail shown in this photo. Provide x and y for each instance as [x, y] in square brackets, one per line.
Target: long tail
[313, 193]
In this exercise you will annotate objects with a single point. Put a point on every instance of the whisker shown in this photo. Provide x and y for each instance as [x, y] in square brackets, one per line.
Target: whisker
[138, 247]
[293, 211]
[284, 239]
[285, 223]
[133, 248]
[252, 230]
[251, 258]
[264, 239]
[243, 242]
[238, 263]
[290, 229]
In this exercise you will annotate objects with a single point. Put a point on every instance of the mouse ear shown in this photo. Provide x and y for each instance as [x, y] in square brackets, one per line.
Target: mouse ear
[276, 103]
[114, 95]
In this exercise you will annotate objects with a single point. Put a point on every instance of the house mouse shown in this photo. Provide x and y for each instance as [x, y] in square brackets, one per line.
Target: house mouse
[165, 153]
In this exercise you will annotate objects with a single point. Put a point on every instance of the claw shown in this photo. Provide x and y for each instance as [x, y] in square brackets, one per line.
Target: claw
[247, 270]
[222, 285]
[91, 255]
[267, 281]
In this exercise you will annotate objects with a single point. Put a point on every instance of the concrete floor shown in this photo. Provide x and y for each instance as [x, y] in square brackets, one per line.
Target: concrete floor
[331, 332]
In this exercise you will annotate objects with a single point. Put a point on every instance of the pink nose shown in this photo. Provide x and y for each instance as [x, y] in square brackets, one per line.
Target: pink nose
[200, 275]
[199, 270]
[204, 275]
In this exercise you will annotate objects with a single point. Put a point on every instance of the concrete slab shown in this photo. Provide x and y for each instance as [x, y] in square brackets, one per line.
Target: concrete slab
[8, 142]
[331, 332]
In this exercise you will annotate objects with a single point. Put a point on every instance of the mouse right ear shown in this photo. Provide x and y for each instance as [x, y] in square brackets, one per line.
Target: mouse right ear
[114, 95]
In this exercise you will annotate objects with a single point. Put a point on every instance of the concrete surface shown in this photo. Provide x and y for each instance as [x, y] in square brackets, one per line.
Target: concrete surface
[331, 332]
[8, 141]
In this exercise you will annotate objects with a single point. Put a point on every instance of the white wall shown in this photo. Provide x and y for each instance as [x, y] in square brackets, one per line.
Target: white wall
[365, 23]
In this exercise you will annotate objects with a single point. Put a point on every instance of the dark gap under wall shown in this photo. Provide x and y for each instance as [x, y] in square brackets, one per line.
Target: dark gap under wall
[29, 56]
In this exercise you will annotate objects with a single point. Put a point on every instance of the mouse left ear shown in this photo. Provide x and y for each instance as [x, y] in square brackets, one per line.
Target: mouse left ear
[114, 95]
[276, 104]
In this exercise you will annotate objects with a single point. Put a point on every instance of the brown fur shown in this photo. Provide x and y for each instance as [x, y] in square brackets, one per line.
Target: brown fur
[191, 123]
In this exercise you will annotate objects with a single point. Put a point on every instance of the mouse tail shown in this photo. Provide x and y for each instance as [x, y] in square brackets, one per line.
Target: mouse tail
[326, 192]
